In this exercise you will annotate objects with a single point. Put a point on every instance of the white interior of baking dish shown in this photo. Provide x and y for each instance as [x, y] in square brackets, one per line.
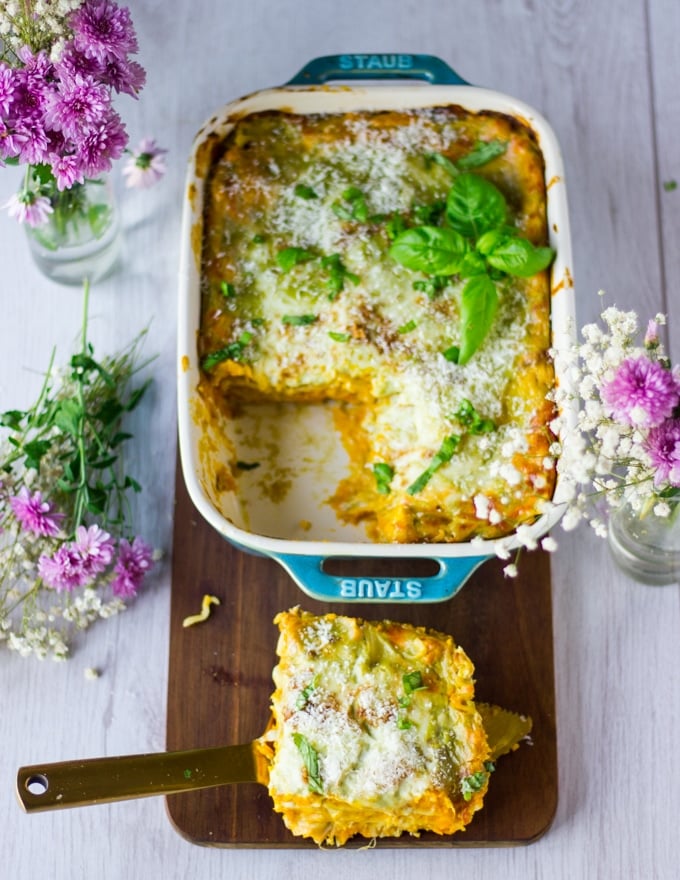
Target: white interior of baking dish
[282, 508]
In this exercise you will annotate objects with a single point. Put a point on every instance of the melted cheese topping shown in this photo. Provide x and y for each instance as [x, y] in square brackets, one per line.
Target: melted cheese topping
[387, 756]
[280, 181]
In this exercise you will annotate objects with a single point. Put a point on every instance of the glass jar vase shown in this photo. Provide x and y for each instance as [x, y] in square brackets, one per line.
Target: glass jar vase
[81, 238]
[646, 546]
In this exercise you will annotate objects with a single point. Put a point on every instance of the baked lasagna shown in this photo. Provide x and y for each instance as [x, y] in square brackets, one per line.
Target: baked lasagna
[391, 265]
[375, 730]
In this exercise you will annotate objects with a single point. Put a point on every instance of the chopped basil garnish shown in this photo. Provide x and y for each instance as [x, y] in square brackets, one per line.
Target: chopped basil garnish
[231, 352]
[473, 783]
[227, 289]
[292, 256]
[337, 273]
[445, 454]
[304, 695]
[339, 337]
[310, 758]
[404, 723]
[407, 327]
[413, 681]
[468, 416]
[299, 320]
[302, 191]
[383, 473]
[452, 354]
[355, 207]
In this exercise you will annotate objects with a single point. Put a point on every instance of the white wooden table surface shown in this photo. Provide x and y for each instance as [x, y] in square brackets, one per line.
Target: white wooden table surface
[606, 75]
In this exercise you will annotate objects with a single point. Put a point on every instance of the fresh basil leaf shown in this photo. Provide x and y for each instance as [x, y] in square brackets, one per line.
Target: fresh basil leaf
[291, 256]
[479, 302]
[481, 153]
[310, 758]
[473, 264]
[430, 249]
[227, 289]
[518, 256]
[452, 354]
[474, 205]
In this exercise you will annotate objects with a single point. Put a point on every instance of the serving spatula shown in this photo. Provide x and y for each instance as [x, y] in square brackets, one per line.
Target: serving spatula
[104, 780]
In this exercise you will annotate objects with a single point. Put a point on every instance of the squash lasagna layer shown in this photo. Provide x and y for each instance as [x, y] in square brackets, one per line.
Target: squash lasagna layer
[375, 731]
[304, 302]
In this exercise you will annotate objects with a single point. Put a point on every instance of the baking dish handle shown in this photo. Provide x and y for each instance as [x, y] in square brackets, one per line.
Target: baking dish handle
[308, 573]
[376, 66]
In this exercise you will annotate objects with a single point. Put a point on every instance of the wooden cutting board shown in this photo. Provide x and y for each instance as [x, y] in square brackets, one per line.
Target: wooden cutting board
[220, 681]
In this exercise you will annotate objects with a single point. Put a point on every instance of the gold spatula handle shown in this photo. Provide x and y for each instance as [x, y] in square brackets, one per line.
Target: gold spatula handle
[103, 780]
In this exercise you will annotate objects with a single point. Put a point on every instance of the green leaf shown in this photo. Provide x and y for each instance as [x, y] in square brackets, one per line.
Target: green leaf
[384, 474]
[247, 465]
[339, 337]
[474, 205]
[12, 419]
[34, 451]
[68, 416]
[430, 249]
[452, 354]
[292, 256]
[310, 758]
[518, 256]
[227, 289]
[479, 302]
[481, 153]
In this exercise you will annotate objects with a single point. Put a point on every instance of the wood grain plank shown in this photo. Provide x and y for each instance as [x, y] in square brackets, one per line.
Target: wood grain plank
[220, 681]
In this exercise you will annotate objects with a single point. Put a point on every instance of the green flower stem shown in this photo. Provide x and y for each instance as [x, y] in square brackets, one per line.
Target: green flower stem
[82, 489]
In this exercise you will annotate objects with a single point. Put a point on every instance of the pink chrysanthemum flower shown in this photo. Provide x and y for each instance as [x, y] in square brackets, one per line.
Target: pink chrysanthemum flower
[103, 144]
[94, 547]
[102, 30]
[67, 171]
[28, 207]
[123, 76]
[64, 571]
[642, 393]
[145, 166]
[663, 447]
[78, 106]
[134, 561]
[34, 514]
[7, 88]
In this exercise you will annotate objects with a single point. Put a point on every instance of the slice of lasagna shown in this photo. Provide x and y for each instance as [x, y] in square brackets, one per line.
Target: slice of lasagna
[375, 730]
